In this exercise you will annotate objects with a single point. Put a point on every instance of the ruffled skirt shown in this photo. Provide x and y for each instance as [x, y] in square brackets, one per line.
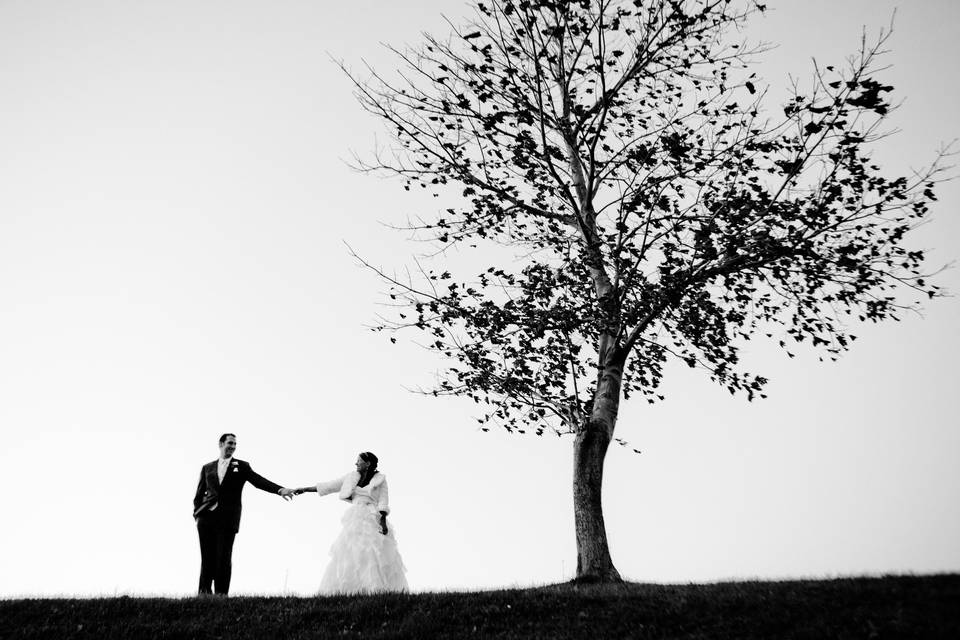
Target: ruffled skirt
[363, 560]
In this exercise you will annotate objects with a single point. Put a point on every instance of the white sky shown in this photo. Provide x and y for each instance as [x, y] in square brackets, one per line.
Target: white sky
[173, 207]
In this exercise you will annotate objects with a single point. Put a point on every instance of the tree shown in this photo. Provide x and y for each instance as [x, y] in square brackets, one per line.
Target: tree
[622, 150]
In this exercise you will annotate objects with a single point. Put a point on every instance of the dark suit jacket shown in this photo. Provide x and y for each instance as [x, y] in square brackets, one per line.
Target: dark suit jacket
[226, 496]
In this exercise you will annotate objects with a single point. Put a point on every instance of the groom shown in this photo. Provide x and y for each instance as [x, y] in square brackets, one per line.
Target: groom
[216, 510]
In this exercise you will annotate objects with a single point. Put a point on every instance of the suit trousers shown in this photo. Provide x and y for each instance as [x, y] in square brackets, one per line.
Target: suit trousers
[216, 551]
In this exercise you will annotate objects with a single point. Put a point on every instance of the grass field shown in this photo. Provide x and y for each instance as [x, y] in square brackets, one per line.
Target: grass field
[887, 607]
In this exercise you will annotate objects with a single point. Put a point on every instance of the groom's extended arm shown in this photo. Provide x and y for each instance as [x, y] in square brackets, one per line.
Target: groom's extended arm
[263, 484]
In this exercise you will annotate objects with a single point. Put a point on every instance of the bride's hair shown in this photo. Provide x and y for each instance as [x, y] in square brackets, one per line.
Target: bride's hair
[367, 475]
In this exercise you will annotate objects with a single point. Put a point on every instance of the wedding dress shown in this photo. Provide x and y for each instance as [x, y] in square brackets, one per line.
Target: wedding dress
[363, 560]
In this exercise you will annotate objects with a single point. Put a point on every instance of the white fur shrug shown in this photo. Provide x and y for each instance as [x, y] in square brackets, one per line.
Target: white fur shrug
[376, 489]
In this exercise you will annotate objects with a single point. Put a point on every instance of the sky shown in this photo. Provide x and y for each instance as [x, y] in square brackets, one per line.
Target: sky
[174, 214]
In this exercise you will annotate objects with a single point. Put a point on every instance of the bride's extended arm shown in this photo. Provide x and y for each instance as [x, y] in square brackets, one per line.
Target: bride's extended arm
[322, 488]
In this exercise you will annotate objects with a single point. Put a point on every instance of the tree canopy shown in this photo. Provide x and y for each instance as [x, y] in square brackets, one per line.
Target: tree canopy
[658, 207]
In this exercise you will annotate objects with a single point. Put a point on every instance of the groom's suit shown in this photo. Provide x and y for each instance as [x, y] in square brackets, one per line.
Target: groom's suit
[216, 509]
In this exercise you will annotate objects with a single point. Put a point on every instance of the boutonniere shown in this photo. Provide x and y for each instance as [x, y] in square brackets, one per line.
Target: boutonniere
[233, 463]
[235, 469]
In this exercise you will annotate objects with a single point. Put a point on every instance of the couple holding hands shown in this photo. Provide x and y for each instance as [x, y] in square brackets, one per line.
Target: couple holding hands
[363, 559]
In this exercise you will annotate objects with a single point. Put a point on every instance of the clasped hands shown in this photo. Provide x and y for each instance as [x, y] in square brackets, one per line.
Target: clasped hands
[287, 493]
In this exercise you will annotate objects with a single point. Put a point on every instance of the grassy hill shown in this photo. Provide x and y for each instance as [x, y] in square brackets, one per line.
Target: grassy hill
[887, 607]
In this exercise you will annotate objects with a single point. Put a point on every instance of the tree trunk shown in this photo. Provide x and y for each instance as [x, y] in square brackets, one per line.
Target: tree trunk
[589, 451]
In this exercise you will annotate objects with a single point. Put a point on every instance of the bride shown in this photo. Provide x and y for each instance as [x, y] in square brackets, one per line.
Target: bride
[364, 557]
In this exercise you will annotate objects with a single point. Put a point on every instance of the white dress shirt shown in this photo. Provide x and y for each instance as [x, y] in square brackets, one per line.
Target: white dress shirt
[222, 465]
